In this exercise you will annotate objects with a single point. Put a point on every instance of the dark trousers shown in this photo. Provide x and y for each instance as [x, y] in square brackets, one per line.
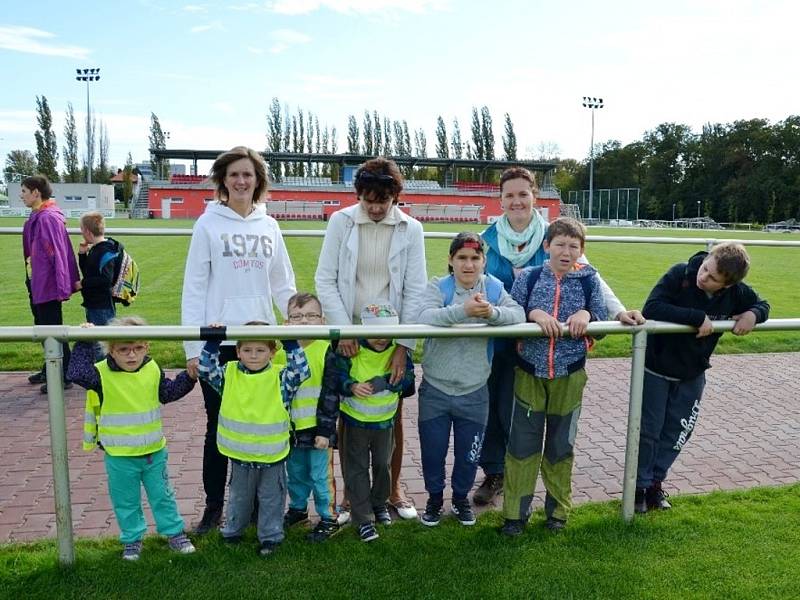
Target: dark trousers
[215, 465]
[360, 445]
[669, 414]
[501, 401]
[49, 313]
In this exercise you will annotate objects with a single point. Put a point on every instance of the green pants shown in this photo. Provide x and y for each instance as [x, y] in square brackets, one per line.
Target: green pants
[126, 477]
[544, 422]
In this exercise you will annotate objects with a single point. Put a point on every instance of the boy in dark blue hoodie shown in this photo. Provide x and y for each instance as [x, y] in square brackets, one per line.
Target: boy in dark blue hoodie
[707, 288]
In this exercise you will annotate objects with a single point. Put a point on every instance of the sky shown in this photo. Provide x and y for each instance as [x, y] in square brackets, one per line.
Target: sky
[210, 70]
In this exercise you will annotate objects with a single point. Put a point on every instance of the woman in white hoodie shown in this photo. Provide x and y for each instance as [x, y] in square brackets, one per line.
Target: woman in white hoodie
[236, 268]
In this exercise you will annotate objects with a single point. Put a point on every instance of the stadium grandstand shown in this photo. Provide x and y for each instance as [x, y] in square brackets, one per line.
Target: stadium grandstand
[316, 197]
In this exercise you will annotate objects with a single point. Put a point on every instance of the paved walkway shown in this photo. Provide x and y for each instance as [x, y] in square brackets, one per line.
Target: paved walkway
[748, 435]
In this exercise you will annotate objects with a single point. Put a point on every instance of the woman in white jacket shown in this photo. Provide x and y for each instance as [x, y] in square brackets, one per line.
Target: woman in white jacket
[373, 251]
[236, 268]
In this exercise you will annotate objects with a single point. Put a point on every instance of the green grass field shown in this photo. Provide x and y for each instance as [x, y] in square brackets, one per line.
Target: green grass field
[631, 270]
[722, 545]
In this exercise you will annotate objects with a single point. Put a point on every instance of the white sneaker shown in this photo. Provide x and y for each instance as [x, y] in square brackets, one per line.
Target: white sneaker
[405, 509]
[343, 517]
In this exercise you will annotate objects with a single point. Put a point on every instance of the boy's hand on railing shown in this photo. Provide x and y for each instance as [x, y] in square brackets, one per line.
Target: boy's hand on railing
[630, 317]
[578, 322]
[87, 325]
[321, 442]
[705, 329]
[477, 306]
[744, 322]
[549, 324]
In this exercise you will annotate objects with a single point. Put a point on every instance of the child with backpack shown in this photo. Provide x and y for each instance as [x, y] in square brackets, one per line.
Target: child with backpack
[453, 394]
[549, 377]
[95, 259]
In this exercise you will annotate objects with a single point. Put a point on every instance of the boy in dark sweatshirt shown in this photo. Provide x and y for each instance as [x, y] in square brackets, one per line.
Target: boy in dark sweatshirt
[707, 288]
[97, 269]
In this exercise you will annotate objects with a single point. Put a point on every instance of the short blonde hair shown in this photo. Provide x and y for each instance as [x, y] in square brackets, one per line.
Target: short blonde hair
[93, 222]
[129, 321]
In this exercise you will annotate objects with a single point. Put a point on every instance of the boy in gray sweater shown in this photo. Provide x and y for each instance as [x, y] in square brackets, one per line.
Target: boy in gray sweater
[453, 392]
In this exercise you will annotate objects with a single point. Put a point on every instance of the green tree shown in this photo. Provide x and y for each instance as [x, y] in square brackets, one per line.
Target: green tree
[487, 134]
[456, 143]
[19, 164]
[275, 137]
[387, 136]
[127, 181]
[369, 141]
[442, 149]
[420, 143]
[478, 152]
[70, 150]
[377, 135]
[103, 172]
[509, 140]
[46, 145]
[159, 166]
[353, 146]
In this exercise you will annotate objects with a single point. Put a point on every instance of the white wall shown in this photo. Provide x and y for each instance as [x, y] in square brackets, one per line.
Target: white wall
[74, 199]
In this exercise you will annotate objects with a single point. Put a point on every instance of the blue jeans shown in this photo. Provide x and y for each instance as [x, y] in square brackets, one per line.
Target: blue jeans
[669, 414]
[311, 470]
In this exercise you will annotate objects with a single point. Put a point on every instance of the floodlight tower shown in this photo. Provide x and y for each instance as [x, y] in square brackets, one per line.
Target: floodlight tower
[591, 103]
[88, 75]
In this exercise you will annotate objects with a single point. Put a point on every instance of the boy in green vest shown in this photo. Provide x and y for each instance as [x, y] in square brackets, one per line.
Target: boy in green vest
[124, 395]
[253, 431]
[368, 408]
[314, 412]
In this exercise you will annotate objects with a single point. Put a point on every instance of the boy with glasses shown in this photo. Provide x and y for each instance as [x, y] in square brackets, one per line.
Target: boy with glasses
[314, 412]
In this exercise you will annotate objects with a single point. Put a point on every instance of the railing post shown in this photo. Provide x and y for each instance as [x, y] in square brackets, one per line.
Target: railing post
[58, 450]
[639, 344]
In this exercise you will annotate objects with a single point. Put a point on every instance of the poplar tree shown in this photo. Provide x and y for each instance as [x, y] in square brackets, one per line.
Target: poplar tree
[274, 136]
[457, 144]
[442, 151]
[353, 146]
[157, 141]
[46, 145]
[486, 133]
[377, 134]
[509, 140]
[477, 136]
[70, 150]
[369, 142]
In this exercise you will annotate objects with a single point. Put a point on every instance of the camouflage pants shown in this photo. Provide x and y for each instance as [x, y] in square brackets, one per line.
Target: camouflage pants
[544, 423]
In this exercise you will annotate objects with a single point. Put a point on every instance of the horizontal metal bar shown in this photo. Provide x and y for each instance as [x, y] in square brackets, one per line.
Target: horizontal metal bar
[292, 332]
[619, 239]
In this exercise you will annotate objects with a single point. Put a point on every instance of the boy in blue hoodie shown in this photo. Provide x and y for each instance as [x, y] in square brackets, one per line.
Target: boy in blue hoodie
[550, 377]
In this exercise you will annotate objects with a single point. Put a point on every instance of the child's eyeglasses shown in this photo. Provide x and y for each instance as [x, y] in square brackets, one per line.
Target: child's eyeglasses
[297, 317]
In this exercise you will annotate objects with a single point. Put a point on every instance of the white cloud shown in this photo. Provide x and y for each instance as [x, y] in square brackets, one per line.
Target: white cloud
[301, 7]
[285, 38]
[37, 41]
[216, 25]
[195, 8]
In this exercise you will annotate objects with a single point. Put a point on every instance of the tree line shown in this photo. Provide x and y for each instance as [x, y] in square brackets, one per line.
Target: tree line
[745, 171]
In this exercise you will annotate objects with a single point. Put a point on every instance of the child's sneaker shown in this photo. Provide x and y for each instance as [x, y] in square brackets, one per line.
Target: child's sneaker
[323, 530]
[342, 516]
[180, 543]
[555, 525]
[463, 512]
[268, 548]
[132, 550]
[640, 501]
[513, 527]
[294, 516]
[656, 497]
[382, 516]
[367, 532]
[433, 513]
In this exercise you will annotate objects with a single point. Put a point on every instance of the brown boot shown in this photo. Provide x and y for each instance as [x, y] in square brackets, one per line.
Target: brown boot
[486, 492]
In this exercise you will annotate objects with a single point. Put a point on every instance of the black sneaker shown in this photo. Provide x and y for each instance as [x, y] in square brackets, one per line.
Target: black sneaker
[367, 532]
[555, 525]
[486, 492]
[37, 378]
[210, 520]
[382, 516]
[433, 513]
[294, 516]
[513, 527]
[639, 501]
[463, 512]
[67, 386]
[655, 497]
[323, 530]
[268, 548]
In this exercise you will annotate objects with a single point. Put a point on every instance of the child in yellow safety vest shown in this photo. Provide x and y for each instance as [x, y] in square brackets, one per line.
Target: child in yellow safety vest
[124, 394]
[253, 430]
[368, 410]
[314, 412]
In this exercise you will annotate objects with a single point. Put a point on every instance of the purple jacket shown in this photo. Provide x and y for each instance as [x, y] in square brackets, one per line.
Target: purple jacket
[48, 255]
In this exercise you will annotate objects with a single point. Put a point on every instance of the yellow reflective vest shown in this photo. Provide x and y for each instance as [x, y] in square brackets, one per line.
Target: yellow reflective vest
[380, 406]
[253, 423]
[128, 422]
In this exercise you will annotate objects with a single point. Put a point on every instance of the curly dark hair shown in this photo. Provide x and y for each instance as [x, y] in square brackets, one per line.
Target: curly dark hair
[379, 180]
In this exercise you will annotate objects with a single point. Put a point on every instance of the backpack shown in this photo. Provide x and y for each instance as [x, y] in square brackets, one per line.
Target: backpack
[494, 289]
[126, 275]
[586, 285]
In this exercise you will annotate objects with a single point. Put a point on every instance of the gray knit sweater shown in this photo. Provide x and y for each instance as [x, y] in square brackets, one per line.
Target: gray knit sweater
[458, 366]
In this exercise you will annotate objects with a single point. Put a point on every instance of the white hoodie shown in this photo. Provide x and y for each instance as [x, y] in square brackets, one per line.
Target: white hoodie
[236, 267]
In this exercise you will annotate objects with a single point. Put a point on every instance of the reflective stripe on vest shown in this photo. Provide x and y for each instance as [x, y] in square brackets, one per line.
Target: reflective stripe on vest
[130, 415]
[379, 407]
[304, 404]
[253, 423]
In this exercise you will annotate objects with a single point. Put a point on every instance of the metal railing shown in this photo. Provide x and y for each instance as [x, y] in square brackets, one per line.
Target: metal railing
[53, 335]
